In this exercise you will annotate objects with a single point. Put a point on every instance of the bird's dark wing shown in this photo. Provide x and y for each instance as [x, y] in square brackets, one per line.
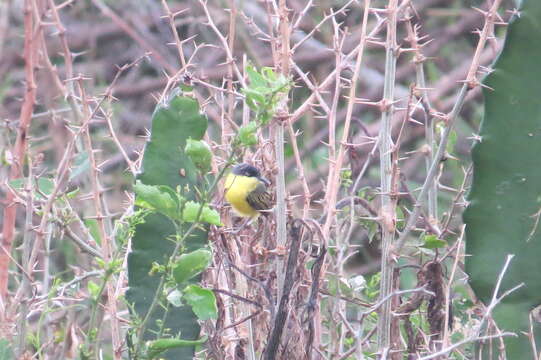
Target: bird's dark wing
[260, 198]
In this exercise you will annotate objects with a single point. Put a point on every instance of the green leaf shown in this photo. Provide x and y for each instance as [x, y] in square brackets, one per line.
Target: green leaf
[264, 91]
[265, 117]
[254, 98]
[208, 215]
[247, 134]
[202, 301]
[256, 79]
[269, 74]
[156, 198]
[166, 164]
[159, 346]
[505, 194]
[93, 289]
[191, 264]
[372, 286]
[199, 152]
[432, 242]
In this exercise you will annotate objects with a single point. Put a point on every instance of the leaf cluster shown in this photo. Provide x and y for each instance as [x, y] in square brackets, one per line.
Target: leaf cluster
[264, 91]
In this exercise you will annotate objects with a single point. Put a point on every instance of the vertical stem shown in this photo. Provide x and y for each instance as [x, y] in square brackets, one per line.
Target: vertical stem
[19, 152]
[432, 208]
[336, 98]
[300, 171]
[431, 141]
[333, 183]
[282, 115]
[388, 210]
[106, 245]
[226, 127]
[281, 218]
[47, 277]
[25, 284]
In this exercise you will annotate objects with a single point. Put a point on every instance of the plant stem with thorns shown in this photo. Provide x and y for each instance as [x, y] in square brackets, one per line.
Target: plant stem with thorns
[388, 204]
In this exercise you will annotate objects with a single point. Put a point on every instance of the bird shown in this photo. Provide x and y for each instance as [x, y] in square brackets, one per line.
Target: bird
[246, 191]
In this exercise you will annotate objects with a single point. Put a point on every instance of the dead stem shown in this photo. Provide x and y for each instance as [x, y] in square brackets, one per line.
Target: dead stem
[471, 82]
[282, 116]
[20, 147]
[388, 200]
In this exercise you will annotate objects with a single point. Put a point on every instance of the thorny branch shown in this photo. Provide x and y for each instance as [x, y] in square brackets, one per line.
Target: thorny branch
[31, 44]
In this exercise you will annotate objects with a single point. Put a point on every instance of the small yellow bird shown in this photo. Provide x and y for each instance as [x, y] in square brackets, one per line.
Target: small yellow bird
[246, 191]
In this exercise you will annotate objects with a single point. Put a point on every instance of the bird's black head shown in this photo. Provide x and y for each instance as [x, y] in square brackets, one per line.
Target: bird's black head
[246, 170]
[250, 171]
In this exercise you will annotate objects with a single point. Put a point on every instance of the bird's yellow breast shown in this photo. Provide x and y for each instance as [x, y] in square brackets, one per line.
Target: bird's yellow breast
[237, 188]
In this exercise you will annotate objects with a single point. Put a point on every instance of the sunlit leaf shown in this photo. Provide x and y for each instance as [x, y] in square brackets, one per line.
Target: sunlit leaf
[202, 301]
[208, 215]
[191, 264]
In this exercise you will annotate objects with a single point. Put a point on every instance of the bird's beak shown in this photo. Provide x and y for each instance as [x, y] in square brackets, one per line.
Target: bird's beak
[264, 181]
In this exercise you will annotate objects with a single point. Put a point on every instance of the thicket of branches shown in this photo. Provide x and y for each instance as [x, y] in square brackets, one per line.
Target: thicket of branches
[368, 153]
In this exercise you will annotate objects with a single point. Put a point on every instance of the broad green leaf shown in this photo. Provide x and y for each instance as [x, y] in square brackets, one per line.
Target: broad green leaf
[432, 242]
[265, 91]
[208, 215]
[256, 79]
[166, 164]
[159, 346]
[254, 98]
[505, 194]
[202, 301]
[156, 198]
[191, 264]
